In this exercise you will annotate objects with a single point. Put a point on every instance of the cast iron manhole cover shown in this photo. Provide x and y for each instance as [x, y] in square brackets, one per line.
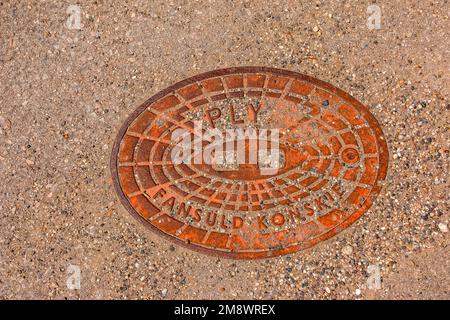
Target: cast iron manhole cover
[249, 162]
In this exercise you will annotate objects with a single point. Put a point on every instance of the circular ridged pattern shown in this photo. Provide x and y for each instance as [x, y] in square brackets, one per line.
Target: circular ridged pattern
[334, 160]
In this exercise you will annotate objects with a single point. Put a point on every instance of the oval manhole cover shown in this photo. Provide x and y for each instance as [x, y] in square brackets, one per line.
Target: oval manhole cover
[249, 162]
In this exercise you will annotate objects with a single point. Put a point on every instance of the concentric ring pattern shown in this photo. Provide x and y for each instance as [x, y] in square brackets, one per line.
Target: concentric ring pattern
[334, 159]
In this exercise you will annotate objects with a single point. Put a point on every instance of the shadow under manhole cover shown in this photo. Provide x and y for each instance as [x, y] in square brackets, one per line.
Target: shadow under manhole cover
[249, 162]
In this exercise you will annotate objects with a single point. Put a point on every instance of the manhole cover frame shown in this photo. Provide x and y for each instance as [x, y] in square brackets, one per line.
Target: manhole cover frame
[381, 142]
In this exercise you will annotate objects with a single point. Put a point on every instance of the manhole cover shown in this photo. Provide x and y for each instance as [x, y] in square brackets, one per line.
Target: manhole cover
[249, 162]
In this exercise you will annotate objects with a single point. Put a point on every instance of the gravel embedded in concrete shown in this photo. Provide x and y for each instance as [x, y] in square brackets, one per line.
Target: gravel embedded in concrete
[66, 92]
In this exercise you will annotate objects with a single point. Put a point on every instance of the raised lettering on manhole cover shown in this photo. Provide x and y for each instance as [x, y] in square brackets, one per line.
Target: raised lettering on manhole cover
[249, 162]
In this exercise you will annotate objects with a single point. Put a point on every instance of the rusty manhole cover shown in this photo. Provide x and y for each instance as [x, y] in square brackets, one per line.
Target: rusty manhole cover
[249, 162]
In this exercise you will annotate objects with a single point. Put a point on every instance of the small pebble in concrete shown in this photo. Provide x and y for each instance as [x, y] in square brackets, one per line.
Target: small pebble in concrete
[348, 250]
[443, 227]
